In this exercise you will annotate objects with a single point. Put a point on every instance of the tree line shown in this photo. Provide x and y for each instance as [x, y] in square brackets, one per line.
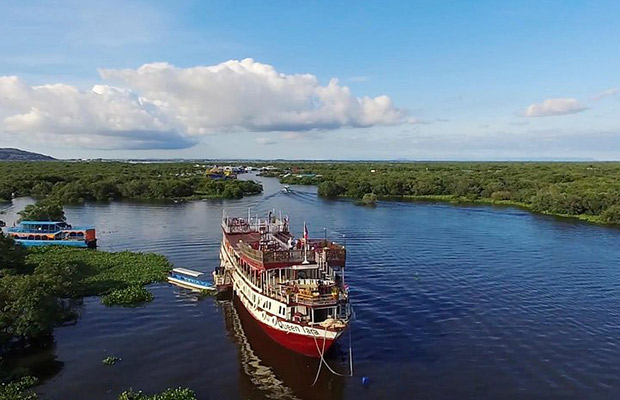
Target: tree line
[72, 182]
[587, 190]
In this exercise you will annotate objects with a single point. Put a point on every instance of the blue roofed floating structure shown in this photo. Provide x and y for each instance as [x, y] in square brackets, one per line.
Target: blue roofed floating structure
[45, 233]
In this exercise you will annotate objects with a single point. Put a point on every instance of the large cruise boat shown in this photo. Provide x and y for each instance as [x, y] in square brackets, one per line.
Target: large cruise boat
[293, 288]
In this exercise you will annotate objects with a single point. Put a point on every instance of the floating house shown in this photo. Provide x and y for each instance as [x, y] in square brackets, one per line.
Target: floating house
[45, 233]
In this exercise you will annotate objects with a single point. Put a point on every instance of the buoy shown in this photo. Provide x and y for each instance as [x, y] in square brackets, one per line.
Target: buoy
[365, 380]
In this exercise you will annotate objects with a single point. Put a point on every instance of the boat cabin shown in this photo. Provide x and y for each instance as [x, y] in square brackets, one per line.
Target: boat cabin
[306, 275]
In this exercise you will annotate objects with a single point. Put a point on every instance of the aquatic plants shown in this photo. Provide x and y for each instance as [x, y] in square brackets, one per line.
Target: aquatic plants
[168, 394]
[369, 199]
[111, 360]
[34, 283]
[19, 389]
[101, 272]
[131, 296]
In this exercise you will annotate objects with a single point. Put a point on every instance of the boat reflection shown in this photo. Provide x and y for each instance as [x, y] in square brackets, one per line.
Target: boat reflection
[268, 370]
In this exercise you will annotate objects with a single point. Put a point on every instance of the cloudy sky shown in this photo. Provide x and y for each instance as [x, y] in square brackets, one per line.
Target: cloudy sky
[316, 79]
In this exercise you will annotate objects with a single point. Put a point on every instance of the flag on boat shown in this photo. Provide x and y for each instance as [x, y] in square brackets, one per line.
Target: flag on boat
[305, 232]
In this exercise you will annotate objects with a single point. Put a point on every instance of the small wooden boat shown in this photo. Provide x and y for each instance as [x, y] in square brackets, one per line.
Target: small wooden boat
[189, 279]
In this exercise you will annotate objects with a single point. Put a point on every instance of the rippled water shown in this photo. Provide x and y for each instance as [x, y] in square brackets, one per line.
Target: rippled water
[451, 302]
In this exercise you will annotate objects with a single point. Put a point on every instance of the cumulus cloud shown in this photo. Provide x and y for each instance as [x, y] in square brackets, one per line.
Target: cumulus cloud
[553, 107]
[248, 95]
[162, 106]
[104, 117]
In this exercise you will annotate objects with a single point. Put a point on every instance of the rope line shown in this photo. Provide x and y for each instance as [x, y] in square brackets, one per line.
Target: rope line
[323, 361]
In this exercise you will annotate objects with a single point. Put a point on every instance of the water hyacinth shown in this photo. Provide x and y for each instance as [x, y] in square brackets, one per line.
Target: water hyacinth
[131, 296]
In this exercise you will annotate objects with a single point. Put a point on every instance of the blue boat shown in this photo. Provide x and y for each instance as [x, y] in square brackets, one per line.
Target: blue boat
[189, 279]
[46, 233]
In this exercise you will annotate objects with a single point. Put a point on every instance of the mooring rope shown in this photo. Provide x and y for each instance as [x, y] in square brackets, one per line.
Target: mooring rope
[323, 361]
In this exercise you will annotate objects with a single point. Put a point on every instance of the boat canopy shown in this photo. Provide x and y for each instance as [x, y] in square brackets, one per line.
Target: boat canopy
[43, 223]
[186, 271]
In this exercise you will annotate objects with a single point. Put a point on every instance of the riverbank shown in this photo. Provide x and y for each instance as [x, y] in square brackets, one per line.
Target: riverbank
[585, 191]
[507, 203]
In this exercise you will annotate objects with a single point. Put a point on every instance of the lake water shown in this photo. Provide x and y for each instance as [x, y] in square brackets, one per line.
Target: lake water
[451, 302]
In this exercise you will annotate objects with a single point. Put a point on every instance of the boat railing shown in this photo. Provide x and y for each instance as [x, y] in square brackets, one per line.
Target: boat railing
[277, 256]
[315, 299]
[256, 255]
[287, 256]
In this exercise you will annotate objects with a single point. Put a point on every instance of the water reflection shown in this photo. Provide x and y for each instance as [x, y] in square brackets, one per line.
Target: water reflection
[267, 370]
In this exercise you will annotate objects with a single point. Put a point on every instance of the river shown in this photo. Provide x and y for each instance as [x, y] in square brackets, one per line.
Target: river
[451, 302]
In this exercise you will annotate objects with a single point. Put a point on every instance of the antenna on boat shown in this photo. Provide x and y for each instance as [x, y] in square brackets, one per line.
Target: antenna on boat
[305, 244]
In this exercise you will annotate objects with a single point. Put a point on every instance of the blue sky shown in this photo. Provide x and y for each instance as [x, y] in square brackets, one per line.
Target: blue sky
[415, 79]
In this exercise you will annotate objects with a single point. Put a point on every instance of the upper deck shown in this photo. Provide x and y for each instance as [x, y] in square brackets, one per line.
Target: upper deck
[267, 244]
[45, 227]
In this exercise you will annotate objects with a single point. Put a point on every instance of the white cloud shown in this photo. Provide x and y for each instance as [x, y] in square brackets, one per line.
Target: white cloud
[247, 95]
[553, 107]
[606, 93]
[162, 106]
[105, 117]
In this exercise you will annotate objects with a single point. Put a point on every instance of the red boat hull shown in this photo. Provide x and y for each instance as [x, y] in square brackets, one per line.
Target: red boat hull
[302, 344]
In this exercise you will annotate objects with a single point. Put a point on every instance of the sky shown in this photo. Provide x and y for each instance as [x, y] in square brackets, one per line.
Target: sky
[414, 80]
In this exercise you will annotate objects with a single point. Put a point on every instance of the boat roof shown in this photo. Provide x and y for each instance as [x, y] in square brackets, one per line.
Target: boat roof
[42, 222]
[189, 272]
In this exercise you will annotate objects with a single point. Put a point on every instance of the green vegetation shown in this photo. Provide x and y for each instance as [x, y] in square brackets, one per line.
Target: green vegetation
[168, 394]
[19, 389]
[369, 199]
[43, 210]
[589, 191]
[111, 360]
[35, 284]
[131, 296]
[72, 182]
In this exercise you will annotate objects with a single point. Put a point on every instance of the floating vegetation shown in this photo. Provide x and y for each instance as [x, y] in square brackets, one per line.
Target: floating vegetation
[110, 360]
[131, 296]
[168, 394]
[19, 389]
[35, 284]
[369, 199]
[99, 273]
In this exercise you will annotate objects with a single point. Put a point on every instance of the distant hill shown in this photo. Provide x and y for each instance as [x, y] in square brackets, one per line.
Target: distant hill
[8, 154]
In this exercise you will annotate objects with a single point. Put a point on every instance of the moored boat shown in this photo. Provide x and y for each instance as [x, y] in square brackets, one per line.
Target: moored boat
[45, 233]
[189, 279]
[293, 288]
